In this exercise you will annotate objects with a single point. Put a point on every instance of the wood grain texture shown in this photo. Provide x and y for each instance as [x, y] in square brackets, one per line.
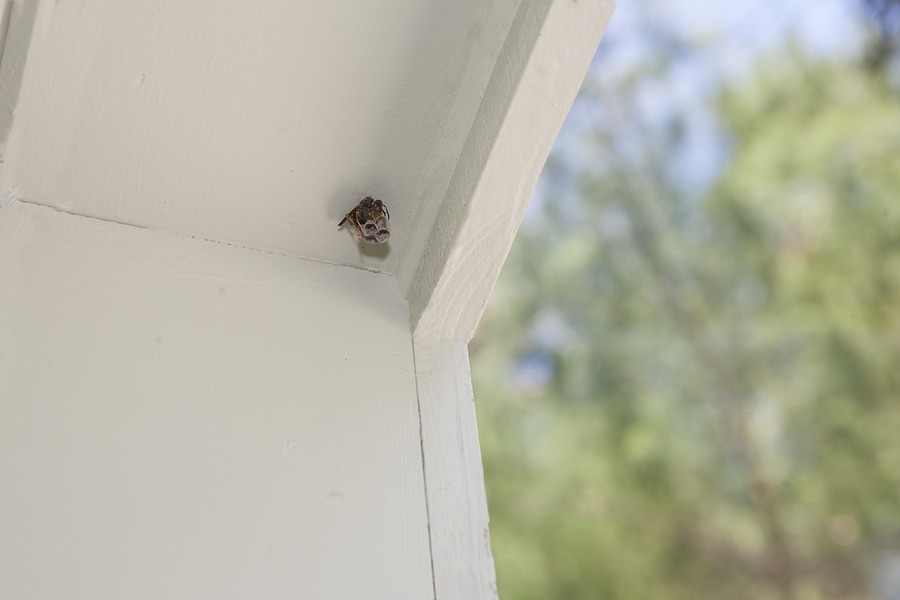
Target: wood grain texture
[454, 477]
[185, 419]
[543, 62]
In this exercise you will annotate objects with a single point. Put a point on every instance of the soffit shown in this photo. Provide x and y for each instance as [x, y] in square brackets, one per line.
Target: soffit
[254, 123]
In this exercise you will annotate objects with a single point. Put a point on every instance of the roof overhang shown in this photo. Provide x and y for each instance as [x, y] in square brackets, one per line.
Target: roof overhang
[262, 124]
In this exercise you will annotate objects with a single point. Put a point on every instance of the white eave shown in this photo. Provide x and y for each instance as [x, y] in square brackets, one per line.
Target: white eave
[261, 124]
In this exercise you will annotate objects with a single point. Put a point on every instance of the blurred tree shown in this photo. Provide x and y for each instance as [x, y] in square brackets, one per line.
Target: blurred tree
[885, 15]
[698, 396]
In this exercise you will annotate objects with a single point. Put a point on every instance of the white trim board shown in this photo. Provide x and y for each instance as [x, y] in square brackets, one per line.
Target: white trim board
[537, 77]
[461, 556]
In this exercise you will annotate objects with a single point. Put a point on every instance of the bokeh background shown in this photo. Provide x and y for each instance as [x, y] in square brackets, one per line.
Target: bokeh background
[688, 377]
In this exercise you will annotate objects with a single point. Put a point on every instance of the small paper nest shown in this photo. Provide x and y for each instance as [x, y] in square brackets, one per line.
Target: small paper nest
[375, 231]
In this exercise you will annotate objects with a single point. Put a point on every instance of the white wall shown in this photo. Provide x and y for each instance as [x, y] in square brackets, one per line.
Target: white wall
[186, 419]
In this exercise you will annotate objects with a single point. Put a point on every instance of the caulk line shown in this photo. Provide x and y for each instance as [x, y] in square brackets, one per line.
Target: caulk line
[205, 239]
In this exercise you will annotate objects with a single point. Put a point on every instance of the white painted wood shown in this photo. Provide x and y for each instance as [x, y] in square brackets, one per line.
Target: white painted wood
[255, 123]
[534, 84]
[185, 419]
[537, 76]
[454, 478]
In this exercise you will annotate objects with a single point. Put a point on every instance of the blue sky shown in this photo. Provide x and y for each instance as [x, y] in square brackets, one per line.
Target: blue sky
[723, 40]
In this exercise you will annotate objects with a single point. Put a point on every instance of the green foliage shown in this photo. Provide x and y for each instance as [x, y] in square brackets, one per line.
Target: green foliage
[685, 397]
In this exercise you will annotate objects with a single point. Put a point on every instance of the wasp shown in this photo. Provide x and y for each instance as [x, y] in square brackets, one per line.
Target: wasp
[369, 221]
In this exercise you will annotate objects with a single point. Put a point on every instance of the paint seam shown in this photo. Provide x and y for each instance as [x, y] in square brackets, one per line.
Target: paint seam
[424, 474]
[204, 239]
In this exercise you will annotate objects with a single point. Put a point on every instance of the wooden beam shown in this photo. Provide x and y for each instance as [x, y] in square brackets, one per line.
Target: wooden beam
[454, 480]
[537, 77]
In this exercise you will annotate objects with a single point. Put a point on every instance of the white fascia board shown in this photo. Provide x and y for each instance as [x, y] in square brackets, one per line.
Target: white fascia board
[537, 77]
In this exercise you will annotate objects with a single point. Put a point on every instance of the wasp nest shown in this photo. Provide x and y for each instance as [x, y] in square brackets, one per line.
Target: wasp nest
[369, 220]
[375, 232]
